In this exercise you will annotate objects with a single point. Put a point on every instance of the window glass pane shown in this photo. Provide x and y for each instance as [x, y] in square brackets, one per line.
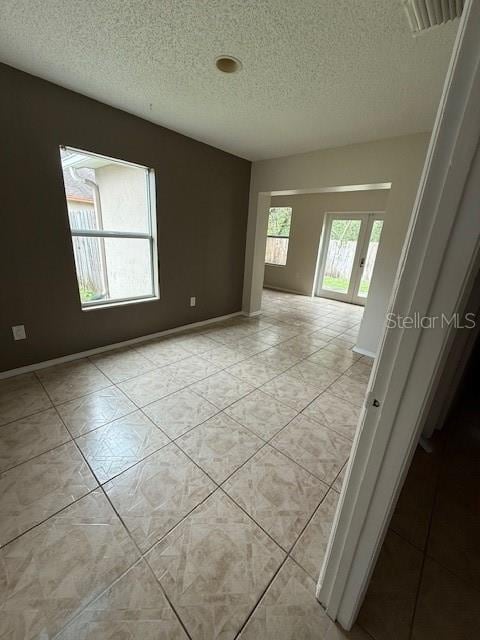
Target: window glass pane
[111, 195]
[342, 246]
[111, 198]
[90, 271]
[276, 251]
[279, 221]
[370, 259]
[110, 269]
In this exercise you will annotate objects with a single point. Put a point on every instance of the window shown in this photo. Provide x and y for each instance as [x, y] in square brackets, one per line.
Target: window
[278, 233]
[111, 213]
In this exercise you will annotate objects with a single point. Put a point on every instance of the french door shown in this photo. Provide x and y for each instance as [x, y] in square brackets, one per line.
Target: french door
[347, 256]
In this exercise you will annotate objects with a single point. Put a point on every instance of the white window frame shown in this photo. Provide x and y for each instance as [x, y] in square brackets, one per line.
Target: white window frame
[276, 264]
[151, 235]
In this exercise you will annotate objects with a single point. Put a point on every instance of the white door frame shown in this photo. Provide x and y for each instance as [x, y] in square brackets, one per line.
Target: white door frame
[323, 252]
[372, 218]
[439, 260]
[367, 218]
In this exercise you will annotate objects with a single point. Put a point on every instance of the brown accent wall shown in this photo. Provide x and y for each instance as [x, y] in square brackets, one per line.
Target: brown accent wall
[202, 202]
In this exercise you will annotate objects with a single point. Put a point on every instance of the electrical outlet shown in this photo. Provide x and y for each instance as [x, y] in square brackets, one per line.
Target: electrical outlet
[193, 301]
[19, 332]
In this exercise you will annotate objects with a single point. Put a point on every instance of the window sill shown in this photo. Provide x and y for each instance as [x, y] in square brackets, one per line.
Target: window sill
[273, 264]
[119, 303]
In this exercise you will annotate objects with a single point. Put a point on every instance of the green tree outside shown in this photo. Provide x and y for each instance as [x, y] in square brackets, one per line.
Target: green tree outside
[279, 221]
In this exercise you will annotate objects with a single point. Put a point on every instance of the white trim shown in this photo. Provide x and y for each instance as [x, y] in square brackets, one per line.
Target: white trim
[72, 161]
[364, 352]
[251, 314]
[338, 189]
[438, 264]
[110, 347]
[92, 306]
[298, 293]
[153, 222]
[104, 233]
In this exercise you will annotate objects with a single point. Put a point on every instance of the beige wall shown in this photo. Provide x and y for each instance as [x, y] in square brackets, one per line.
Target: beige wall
[396, 160]
[308, 212]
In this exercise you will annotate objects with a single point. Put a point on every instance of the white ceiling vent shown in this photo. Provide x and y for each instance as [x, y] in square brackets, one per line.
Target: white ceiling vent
[425, 14]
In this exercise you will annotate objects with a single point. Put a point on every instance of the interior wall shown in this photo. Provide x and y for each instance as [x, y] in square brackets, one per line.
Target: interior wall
[308, 213]
[396, 160]
[202, 202]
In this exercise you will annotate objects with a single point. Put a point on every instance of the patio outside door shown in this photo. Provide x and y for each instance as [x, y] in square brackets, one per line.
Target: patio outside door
[349, 249]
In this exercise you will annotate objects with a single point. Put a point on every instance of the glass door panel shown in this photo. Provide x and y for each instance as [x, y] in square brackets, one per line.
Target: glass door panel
[367, 263]
[340, 257]
[347, 258]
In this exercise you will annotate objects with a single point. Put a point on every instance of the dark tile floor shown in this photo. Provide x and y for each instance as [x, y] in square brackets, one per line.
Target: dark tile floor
[426, 585]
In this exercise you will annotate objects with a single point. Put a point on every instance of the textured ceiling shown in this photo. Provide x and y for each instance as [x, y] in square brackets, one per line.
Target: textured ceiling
[316, 73]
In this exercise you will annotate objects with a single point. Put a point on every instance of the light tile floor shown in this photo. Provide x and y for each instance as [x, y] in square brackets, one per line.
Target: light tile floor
[184, 488]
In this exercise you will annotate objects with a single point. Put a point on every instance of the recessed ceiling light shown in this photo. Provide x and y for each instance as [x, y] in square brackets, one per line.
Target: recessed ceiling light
[228, 64]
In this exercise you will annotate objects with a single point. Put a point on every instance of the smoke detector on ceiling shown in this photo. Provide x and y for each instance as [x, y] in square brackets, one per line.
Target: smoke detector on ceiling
[425, 14]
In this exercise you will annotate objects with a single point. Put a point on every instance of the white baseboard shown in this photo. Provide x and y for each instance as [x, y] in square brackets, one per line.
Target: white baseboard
[110, 347]
[298, 293]
[252, 314]
[364, 352]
